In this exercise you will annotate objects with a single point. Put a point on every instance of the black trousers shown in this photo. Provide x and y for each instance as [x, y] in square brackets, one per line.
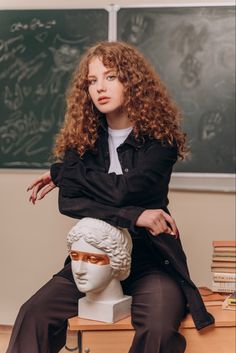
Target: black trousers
[158, 306]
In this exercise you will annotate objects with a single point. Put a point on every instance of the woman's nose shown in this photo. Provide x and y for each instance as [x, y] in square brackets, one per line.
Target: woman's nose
[101, 86]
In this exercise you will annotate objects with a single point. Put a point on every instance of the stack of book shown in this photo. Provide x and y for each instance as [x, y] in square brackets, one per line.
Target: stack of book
[224, 266]
[230, 302]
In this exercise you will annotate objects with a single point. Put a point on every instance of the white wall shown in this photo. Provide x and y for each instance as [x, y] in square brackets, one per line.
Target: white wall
[202, 218]
[32, 238]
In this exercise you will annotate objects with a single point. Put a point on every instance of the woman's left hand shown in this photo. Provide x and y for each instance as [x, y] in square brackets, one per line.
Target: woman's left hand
[157, 221]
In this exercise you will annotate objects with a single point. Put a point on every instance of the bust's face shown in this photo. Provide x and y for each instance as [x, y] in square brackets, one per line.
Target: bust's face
[90, 267]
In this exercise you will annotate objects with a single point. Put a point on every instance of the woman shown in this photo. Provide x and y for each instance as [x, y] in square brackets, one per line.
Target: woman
[119, 142]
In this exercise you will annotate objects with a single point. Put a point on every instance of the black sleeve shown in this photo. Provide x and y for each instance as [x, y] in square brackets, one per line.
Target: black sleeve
[79, 207]
[56, 172]
[124, 217]
[117, 190]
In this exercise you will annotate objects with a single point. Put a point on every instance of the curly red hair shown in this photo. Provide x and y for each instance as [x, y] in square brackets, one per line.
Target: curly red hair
[147, 104]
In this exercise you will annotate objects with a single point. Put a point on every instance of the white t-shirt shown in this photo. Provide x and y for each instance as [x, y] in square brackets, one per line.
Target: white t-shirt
[115, 139]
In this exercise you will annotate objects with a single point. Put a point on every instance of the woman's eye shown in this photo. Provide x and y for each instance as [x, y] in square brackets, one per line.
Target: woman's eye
[111, 77]
[92, 82]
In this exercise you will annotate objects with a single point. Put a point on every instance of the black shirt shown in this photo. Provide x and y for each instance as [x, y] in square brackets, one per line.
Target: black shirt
[87, 190]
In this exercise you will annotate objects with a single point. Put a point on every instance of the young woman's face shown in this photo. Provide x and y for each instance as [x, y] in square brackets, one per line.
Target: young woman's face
[106, 91]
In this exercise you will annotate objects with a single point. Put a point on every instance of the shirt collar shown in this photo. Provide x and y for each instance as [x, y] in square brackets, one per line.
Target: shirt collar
[130, 140]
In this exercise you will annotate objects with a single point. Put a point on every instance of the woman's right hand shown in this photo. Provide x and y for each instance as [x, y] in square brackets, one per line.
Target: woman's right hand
[44, 183]
[157, 221]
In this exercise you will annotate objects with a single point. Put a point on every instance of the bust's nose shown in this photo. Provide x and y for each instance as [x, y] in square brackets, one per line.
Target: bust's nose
[80, 268]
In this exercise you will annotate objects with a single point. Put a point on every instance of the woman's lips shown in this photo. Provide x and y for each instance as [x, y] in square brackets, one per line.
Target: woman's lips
[103, 100]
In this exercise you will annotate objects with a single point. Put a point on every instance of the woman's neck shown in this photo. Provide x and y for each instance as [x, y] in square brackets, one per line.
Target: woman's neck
[118, 120]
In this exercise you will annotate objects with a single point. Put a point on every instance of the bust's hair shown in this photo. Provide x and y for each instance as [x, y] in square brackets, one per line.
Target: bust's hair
[147, 103]
[115, 242]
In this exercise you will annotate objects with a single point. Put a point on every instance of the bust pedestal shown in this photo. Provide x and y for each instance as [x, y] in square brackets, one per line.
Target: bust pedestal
[109, 311]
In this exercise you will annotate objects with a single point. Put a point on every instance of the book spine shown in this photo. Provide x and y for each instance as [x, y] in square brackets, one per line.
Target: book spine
[224, 276]
[223, 264]
[228, 249]
[224, 253]
[223, 269]
[226, 243]
[223, 287]
[224, 259]
[222, 290]
[223, 280]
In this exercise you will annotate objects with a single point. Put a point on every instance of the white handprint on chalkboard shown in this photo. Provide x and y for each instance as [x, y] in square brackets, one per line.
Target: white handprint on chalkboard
[136, 29]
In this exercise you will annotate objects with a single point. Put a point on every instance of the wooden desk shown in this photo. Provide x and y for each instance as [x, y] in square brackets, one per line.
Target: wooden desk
[98, 337]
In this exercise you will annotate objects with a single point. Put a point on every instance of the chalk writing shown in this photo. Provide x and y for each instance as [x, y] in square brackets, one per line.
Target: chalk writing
[19, 132]
[10, 48]
[33, 25]
[13, 98]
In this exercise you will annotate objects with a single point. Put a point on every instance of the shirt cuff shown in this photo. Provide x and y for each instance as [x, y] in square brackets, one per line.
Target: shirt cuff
[128, 216]
[55, 172]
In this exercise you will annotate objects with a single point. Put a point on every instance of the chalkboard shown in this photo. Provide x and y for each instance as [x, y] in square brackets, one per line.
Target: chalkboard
[38, 52]
[193, 50]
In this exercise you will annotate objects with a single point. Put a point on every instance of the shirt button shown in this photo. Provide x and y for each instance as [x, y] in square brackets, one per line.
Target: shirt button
[126, 170]
[166, 262]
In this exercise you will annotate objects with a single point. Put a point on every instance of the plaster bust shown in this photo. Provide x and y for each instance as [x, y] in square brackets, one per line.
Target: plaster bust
[101, 258]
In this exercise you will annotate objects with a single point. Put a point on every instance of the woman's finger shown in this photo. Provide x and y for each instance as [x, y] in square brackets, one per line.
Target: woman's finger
[172, 223]
[160, 226]
[46, 190]
[164, 226]
[152, 232]
[35, 191]
[45, 179]
[156, 228]
[168, 230]
[35, 182]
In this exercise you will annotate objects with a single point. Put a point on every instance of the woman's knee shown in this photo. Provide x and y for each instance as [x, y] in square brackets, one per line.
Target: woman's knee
[167, 334]
[33, 311]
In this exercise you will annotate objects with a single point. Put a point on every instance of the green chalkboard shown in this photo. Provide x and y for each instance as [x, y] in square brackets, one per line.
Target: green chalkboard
[193, 50]
[38, 52]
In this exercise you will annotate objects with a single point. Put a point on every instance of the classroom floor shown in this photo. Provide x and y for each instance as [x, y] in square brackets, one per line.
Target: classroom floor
[5, 333]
